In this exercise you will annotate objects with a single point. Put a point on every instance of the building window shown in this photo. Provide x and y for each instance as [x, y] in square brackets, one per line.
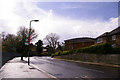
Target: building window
[113, 37]
[99, 40]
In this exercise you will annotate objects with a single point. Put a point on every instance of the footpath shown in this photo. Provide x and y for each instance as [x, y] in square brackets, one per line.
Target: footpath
[16, 68]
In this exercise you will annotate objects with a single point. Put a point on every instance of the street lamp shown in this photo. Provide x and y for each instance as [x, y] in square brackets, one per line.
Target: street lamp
[29, 40]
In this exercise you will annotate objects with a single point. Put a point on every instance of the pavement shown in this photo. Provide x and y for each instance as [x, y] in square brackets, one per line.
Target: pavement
[16, 68]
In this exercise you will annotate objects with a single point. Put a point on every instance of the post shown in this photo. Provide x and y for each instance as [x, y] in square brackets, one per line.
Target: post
[29, 40]
[29, 43]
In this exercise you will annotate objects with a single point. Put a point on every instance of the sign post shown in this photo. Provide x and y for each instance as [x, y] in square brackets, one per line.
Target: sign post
[27, 43]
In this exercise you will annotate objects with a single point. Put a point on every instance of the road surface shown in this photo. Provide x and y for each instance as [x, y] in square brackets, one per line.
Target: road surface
[65, 69]
[46, 67]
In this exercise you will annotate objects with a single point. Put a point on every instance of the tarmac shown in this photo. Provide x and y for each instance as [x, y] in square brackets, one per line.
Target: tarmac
[92, 63]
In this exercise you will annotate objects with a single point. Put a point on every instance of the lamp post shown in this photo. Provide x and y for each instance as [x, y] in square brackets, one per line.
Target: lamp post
[29, 40]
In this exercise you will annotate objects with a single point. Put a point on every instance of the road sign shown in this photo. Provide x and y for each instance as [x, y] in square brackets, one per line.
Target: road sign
[26, 41]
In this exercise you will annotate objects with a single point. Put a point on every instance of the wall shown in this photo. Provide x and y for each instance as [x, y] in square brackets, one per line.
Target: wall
[6, 56]
[82, 44]
[69, 45]
[96, 58]
[118, 39]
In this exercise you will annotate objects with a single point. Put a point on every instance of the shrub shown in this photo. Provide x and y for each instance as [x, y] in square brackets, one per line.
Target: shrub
[100, 48]
[55, 54]
[116, 50]
[63, 53]
[97, 49]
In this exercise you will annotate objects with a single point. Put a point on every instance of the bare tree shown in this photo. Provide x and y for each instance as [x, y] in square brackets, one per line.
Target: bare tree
[22, 34]
[51, 40]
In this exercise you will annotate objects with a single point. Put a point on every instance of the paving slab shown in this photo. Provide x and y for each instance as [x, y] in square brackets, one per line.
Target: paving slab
[16, 68]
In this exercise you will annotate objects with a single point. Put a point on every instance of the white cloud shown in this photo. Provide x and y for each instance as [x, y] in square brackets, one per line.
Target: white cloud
[16, 14]
[69, 28]
[73, 0]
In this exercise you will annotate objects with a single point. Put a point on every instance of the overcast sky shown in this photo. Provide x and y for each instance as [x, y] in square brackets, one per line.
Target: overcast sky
[67, 19]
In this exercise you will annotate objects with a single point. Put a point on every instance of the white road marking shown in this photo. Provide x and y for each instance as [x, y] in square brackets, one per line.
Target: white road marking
[51, 76]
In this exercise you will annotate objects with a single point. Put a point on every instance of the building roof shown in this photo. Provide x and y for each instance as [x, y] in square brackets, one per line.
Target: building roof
[78, 40]
[113, 32]
[103, 35]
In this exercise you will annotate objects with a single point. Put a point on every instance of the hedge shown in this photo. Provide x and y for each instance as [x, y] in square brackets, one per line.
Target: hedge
[63, 53]
[97, 49]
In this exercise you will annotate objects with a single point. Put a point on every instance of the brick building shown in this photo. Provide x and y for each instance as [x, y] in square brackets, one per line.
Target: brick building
[78, 43]
[112, 37]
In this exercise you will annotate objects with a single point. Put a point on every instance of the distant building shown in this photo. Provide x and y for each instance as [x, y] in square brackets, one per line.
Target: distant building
[112, 37]
[78, 43]
[44, 51]
[102, 38]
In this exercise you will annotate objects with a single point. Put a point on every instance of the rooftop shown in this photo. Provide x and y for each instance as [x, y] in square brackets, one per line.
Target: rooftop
[78, 40]
[113, 32]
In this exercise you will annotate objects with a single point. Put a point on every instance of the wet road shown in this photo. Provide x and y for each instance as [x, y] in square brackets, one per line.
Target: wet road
[65, 69]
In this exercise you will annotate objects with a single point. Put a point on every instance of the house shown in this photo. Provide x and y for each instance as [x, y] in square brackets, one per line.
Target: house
[78, 43]
[102, 38]
[112, 37]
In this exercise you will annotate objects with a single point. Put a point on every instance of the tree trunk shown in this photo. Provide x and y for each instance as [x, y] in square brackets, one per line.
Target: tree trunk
[21, 58]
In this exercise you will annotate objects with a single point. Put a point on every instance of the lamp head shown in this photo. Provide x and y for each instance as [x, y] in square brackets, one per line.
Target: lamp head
[36, 20]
